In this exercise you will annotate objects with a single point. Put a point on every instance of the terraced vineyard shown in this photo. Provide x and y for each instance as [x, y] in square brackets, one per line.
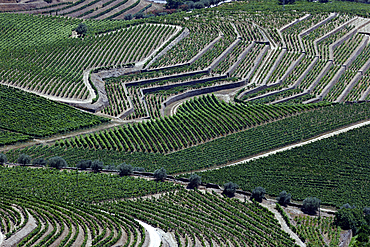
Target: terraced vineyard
[189, 91]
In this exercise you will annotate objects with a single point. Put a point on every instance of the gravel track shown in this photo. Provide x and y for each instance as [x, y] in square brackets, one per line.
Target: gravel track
[154, 238]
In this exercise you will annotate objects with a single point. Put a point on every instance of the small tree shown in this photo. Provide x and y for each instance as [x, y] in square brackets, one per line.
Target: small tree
[311, 204]
[3, 159]
[39, 162]
[24, 159]
[139, 169]
[160, 174]
[349, 218]
[139, 15]
[284, 198]
[258, 194]
[230, 189]
[83, 164]
[81, 29]
[195, 181]
[125, 170]
[110, 167]
[128, 17]
[57, 162]
[97, 166]
[198, 5]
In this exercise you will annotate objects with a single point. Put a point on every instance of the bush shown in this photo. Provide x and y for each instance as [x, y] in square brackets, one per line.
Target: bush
[139, 15]
[198, 5]
[125, 170]
[110, 167]
[160, 174]
[190, 4]
[362, 237]
[39, 162]
[97, 166]
[139, 169]
[57, 162]
[83, 164]
[24, 159]
[195, 181]
[349, 218]
[128, 17]
[311, 204]
[3, 159]
[81, 29]
[284, 198]
[230, 189]
[258, 194]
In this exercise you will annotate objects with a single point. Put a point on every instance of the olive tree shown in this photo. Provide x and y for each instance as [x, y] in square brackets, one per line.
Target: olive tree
[24, 159]
[258, 194]
[125, 170]
[160, 174]
[81, 29]
[3, 159]
[97, 166]
[39, 162]
[57, 162]
[311, 204]
[194, 181]
[230, 189]
[284, 198]
[83, 164]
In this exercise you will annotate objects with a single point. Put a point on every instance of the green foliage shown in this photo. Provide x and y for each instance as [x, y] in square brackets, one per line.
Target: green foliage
[230, 189]
[284, 198]
[81, 29]
[311, 205]
[24, 159]
[194, 181]
[97, 166]
[39, 162]
[57, 162]
[56, 185]
[125, 169]
[34, 115]
[83, 164]
[349, 218]
[7, 137]
[258, 194]
[160, 174]
[3, 159]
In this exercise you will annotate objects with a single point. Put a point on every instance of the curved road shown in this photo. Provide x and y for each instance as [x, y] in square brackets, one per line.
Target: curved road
[154, 238]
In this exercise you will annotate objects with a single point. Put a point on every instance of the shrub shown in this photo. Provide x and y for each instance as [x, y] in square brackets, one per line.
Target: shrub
[258, 194]
[284, 198]
[195, 181]
[311, 204]
[24, 159]
[160, 174]
[39, 162]
[57, 162]
[83, 164]
[125, 170]
[3, 159]
[198, 5]
[97, 166]
[128, 17]
[81, 29]
[349, 218]
[230, 189]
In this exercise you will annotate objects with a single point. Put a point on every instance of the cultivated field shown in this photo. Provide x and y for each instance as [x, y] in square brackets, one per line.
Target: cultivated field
[100, 116]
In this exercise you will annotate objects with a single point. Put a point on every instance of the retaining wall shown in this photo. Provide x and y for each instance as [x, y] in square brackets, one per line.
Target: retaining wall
[289, 98]
[193, 82]
[292, 67]
[231, 70]
[224, 54]
[162, 78]
[205, 49]
[200, 91]
[349, 87]
[172, 44]
[257, 61]
[321, 75]
[300, 79]
[331, 16]
[277, 62]
[269, 94]
[333, 81]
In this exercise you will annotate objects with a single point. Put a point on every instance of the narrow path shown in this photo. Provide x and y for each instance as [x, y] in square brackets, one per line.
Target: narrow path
[1, 238]
[154, 238]
[291, 146]
[18, 236]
